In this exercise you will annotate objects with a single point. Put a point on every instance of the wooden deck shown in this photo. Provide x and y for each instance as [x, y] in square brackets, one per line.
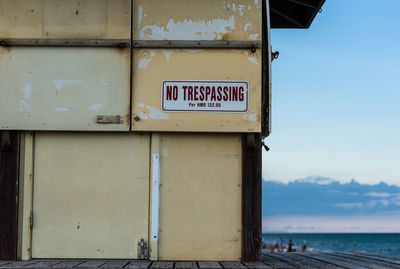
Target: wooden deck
[312, 260]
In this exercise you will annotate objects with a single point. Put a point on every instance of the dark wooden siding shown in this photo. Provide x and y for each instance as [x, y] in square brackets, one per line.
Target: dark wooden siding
[9, 159]
[251, 197]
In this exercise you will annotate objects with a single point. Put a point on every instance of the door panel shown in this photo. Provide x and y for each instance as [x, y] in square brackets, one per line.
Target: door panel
[197, 20]
[200, 187]
[103, 19]
[90, 195]
[152, 67]
[63, 88]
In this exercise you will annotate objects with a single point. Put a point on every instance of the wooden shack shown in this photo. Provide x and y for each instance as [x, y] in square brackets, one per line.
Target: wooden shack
[132, 129]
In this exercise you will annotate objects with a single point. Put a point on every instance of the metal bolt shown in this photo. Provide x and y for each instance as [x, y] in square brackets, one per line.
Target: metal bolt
[3, 43]
[136, 118]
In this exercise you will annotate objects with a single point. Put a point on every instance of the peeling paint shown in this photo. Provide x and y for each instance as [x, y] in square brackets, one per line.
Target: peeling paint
[143, 63]
[247, 26]
[27, 90]
[253, 37]
[62, 109]
[252, 117]
[254, 61]
[95, 107]
[140, 15]
[60, 83]
[240, 9]
[167, 54]
[156, 114]
[24, 106]
[256, 2]
[103, 82]
[143, 115]
[192, 51]
[140, 105]
[189, 30]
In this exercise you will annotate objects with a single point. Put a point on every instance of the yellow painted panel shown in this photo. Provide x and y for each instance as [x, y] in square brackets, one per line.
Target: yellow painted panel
[151, 67]
[63, 88]
[103, 19]
[197, 20]
[90, 195]
[200, 197]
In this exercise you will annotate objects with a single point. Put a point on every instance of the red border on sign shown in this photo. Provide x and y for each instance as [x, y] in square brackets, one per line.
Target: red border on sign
[205, 81]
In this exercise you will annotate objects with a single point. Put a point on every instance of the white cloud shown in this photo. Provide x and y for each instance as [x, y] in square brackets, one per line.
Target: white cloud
[332, 224]
[378, 194]
[348, 205]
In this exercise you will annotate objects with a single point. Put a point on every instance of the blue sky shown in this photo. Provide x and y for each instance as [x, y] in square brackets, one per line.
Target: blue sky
[336, 94]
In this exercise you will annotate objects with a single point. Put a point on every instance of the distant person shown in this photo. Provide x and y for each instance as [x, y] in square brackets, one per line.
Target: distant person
[290, 246]
[304, 246]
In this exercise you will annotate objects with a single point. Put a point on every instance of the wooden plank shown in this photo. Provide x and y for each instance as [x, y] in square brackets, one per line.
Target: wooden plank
[114, 264]
[359, 262]
[162, 265]
[44, 264]
[251, 197]
[256, 265]
[377, 255]
[186, 265]
[91, 264]
[330, 260]
[9, 170]
[386, 263]
[209, 265]
[67, 264]
[138, 264]
[232, 265]
[18, 264]
[307, 261]
[275, 262]
[378, 258]
[5, 262]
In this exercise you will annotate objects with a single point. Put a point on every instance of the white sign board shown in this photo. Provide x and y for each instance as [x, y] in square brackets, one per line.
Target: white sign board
[205, 96]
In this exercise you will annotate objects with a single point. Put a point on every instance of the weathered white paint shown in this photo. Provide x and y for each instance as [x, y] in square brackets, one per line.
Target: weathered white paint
[24, 106]
[167, 54]
[62, 109]
[95, 107]
[247, 26]
[140, 15]
[60, 83]
[240, 9]
[140, 105]
[142, 64]
[253, 37]
[143, 115]
[254, 61]
[27, 90]
[155, 196]
[156, 114]
[189, 30]
[58, 94]
[252, 117]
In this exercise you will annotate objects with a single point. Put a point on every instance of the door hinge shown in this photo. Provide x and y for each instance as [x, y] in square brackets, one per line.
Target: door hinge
[142, 250]
[31, 220]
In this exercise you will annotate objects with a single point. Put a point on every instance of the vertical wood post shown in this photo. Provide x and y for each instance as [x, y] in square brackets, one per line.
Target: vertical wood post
[9, 170]
[251, 197]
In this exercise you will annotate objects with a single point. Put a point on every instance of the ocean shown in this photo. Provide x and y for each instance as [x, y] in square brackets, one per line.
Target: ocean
[375, 243]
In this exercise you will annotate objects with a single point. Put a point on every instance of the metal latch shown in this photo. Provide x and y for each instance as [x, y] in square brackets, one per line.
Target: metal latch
[142, 250]
[31, 220]
[110, 119]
